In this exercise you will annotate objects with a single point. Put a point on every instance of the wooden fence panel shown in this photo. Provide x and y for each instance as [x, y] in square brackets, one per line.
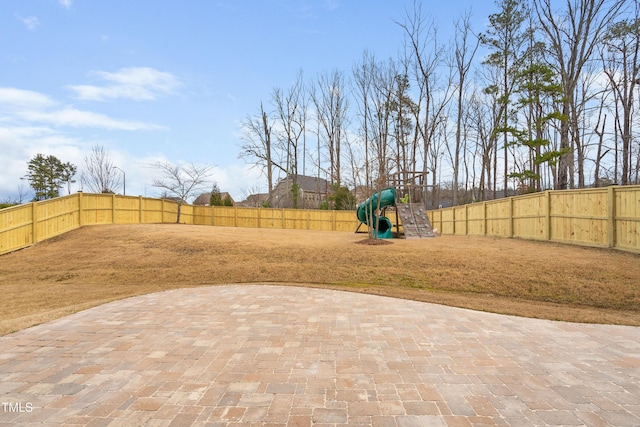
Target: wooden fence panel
[170, 212]
[346, 220]
[627, 218]
[56, 216]
[295, 219]
[436, 220]
[446, 221]
[224, 216]
[499, 218]
[320, 220]
[247, 217]
[529, 217]
[202, 215]
[16, 227]
[96, 209]
[271, 218]
[151, 211]
[460, 220]
[127, 209]
[186, 213]
[579, 217]
[475, 219]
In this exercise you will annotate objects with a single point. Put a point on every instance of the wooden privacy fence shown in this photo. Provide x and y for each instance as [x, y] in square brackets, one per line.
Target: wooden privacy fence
[27, 224]
[599, 217]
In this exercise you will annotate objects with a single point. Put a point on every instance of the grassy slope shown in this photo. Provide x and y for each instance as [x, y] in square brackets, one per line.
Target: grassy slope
[93, 265]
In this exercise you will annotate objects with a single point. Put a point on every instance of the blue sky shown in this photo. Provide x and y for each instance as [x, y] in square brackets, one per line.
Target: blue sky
[172, 80]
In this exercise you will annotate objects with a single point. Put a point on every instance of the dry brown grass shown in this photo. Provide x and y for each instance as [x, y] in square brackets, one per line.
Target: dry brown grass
[92, 265]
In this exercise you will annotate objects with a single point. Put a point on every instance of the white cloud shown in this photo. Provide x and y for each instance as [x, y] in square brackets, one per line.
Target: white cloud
[77, 118]
[31, 22]
[239, 180]
[11, 97]
[136, 83]
[36, 108]
[66, 3]
[32, 123]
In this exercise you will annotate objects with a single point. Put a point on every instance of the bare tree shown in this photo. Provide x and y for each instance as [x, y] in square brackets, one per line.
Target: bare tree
[572, 37]
[330, 100]
[291, 112]
[434, 90]
[363, 82]
[465, 46]
[599, 130]
[100, 174]
[621, 63]
[257, 147]
[181, 181]
[482, 123]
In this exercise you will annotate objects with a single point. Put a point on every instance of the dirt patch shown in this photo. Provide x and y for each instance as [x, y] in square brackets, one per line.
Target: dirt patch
[373, 242]
[92, 265]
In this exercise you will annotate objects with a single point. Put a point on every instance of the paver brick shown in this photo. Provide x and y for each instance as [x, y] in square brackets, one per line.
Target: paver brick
[281, 355]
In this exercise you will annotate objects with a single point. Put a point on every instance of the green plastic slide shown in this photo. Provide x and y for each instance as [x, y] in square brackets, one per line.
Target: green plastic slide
[366, 213]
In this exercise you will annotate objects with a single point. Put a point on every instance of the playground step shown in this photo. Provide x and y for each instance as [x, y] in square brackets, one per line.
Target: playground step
[415, 222]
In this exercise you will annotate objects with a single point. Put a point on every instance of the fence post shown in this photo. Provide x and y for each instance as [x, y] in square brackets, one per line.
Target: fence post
[141, 218]
[510, 231]
[547, 231]
[453, 216]
[466, 219]
[611, 216]
[34, 223]
[484, 217]
[162, 209]
[80, 209]
[113, 209]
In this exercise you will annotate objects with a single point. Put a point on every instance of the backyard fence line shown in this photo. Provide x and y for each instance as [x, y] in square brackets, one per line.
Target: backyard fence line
[599, 217]
[596, 217]
[24, 225]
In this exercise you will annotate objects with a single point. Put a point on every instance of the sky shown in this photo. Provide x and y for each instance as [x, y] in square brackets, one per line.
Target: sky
[172, 81]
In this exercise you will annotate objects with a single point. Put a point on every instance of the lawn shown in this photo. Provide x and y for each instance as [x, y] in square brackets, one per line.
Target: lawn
[97, 264]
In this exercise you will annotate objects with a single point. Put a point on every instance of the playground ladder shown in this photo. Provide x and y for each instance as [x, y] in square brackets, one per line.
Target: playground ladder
[414, 219]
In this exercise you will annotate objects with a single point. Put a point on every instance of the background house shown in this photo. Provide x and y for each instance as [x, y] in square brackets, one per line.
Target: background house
[255, 201]
[312, 192]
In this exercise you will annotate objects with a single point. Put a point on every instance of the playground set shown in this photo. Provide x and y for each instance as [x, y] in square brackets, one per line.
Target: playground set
[411, 220]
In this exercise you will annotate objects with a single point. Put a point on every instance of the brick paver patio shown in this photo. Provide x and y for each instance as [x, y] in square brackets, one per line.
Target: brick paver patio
[278, 355]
